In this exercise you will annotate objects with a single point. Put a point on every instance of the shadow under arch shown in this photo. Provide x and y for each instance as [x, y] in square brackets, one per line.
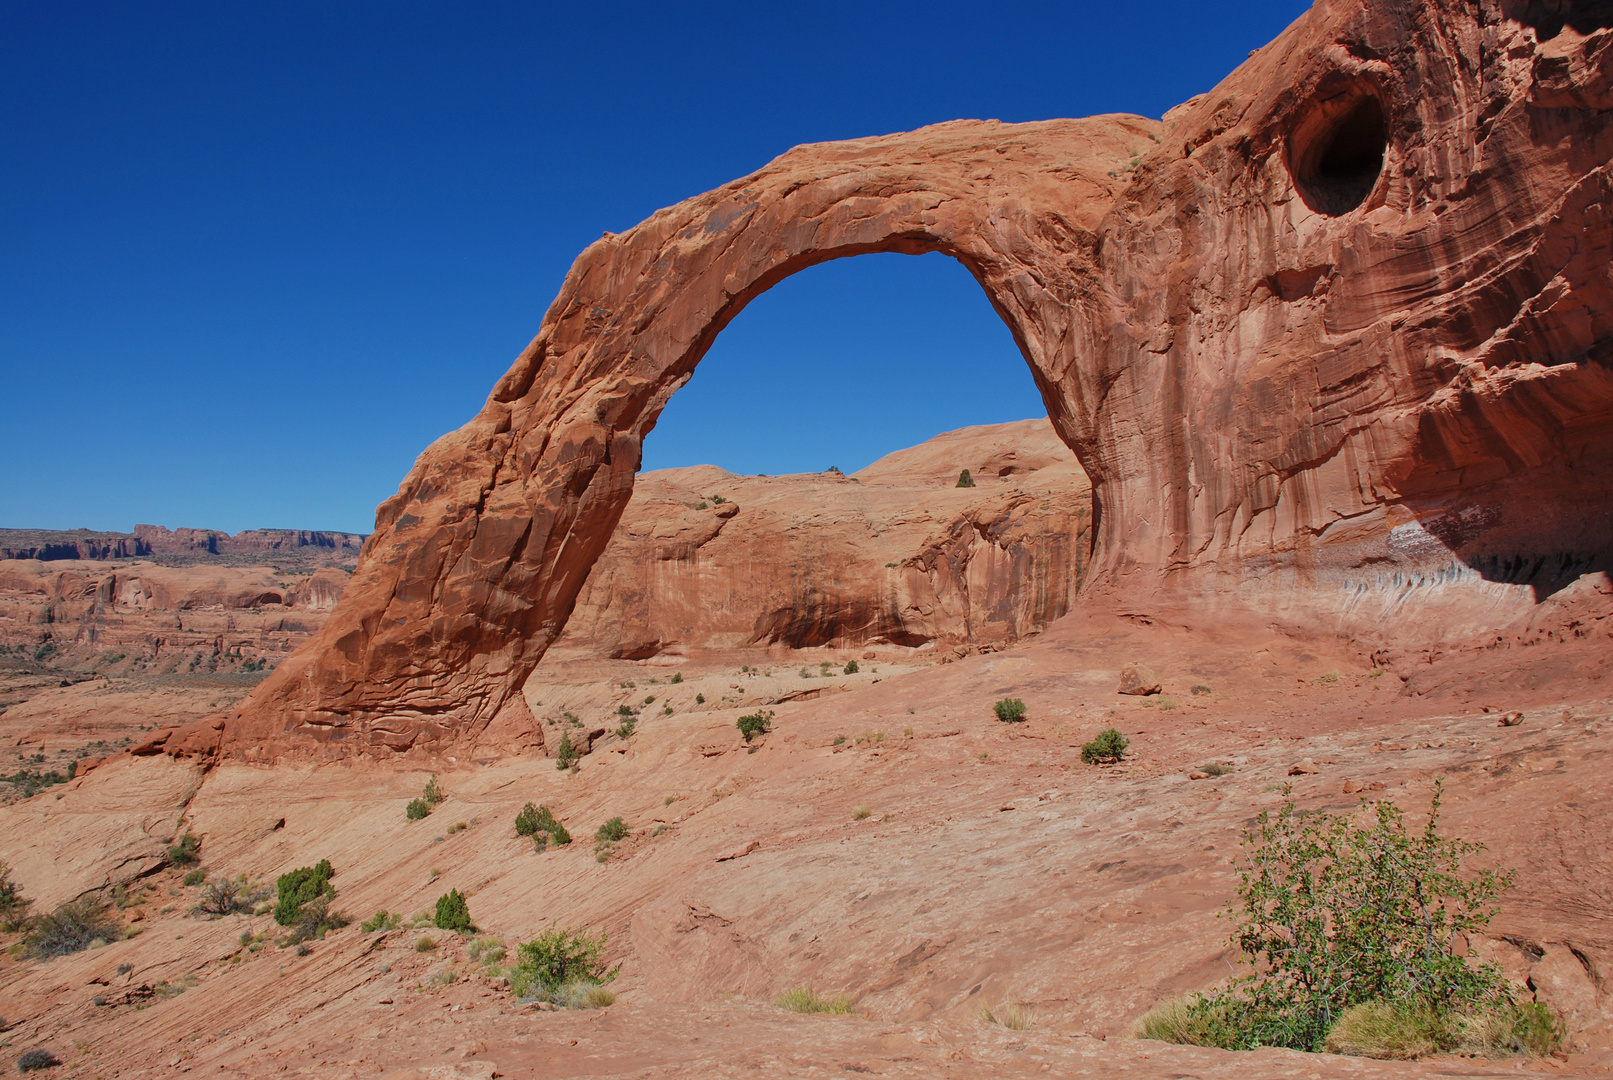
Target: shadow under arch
[476, 563]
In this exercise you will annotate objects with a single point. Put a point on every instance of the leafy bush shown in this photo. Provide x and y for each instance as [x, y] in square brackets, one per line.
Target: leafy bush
[314, 919]
[850, 668]
[1108, 747]
[416, 809]
[453, 913]
[566, 757]
[965, 480]
[73, 927]
[804, 999]
[757, 723]
[1010, 710]
[13, 905]
[382, 920]
[558, 958]
[624, 730]
[196, 876]
[432, 794]
[700, 699]
[302, 886]
[540, 823]
[38, 1058]
[186, 852]
[1336, 915]
[677, 677]
[612, 831]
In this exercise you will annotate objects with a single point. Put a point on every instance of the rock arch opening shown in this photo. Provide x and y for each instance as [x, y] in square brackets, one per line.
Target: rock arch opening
[898, 370]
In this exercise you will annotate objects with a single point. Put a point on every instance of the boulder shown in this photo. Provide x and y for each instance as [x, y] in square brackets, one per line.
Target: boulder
[1138, 679]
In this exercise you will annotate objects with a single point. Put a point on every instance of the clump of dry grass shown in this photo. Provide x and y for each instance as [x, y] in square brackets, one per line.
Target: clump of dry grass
[1013, 1017]
[804, 999]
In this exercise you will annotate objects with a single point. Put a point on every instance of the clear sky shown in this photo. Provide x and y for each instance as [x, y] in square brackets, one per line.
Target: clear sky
[254, 257]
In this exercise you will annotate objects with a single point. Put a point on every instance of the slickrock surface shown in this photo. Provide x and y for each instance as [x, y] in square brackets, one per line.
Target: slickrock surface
[992, 866]
[1339, 323]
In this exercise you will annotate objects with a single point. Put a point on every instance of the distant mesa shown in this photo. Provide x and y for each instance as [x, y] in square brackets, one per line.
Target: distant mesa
[176, 547]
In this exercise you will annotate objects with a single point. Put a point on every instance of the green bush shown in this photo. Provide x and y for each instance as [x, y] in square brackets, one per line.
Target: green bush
[624, 730]
[612, 831]
[965, 480]
[757, 723]
[1010, 710]
[700, 699]
[677, 677]
[432, 794]
[72, 927]
[559, 958]
[382, 920]
[416, 809]
[1335, 915]
[302, 886]
[453, 913]
[526, 822]
[566, 756]
[13, 905]
[1108, 747]
[313, 919]
[186, 852]
[196, 876]
[850, 668]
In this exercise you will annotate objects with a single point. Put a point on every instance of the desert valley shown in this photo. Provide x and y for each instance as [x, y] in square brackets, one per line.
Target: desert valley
[947, 766]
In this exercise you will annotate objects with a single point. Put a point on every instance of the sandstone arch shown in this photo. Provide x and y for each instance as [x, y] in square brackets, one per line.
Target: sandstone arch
[1265, 392]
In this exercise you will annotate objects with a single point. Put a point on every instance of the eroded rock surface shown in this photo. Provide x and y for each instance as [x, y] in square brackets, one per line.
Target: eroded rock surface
[895, 554]
[1339, 324]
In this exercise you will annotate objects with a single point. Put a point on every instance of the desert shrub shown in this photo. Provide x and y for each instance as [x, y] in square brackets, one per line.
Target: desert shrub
[861, 813]
[73, 927]
[13, 905]
[458, 827]
[624, 730]
[314, 919]
[453, 912]
[38, 1058]
[1335, 915]
[1200, 689]
[1013, 1017]
[804, 999]
[757, 723]
[432, 793]
[566, 756]
[186, 852]
[1108, 747]
[1215, 768]
[965, 480]
[1010, 710]
[196, 876]
[700, 699]
[1400, 1032]
[486, 950]
[612, 831]
[540, 823]
[424, 944]
[557, 958]
[677, 677]
[300, 887]
[383, 920]
[416, 809]
[228, 896]
[850, 668]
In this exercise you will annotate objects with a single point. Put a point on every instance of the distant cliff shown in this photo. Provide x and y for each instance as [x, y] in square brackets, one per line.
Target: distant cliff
[299, 548]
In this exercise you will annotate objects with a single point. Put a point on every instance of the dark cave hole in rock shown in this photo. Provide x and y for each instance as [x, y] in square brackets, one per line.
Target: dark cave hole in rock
[1337, 155]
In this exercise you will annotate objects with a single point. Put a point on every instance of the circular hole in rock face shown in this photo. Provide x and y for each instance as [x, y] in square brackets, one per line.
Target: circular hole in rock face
[1336, 155]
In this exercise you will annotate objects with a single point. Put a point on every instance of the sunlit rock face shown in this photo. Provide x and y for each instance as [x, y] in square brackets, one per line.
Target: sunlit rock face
[1335, 329]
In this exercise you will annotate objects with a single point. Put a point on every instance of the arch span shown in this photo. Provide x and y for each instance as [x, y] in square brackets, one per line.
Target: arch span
[476, 562]
[1266, 395]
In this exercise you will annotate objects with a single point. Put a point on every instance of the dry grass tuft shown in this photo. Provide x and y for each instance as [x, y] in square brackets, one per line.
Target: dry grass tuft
[1013, 1017]
[804, 999]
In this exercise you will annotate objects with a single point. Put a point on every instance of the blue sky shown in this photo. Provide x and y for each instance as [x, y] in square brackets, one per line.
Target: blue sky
[255, 257]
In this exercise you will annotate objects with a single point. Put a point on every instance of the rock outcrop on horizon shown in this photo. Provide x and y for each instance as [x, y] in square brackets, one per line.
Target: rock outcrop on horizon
[894, 554]
[1338, 328]
[185, 546]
